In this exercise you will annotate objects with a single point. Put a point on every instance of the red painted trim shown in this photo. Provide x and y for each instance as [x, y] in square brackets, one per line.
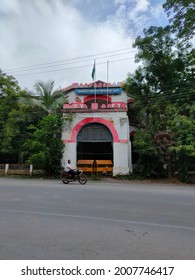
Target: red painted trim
[132, 133]
[86, 121]
[120, 141]
[123, 141]
[102, 97]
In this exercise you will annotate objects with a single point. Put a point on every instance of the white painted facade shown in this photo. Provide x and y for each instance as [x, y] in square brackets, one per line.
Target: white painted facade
[109, 110]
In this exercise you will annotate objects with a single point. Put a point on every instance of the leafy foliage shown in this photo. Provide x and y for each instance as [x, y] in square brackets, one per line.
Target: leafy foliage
[27, 132]
[182, 16]
[14, 117]
[44, 145]
[46, 97]
[149, 164]
[164, 97]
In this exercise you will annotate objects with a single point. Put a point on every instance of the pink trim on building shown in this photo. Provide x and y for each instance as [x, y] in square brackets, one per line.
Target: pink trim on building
[132, 133]
[86, 121]
[123, 141]
[102, 97]
[94, 84]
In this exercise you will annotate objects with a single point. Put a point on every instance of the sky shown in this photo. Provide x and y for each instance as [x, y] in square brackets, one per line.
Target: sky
[42, 40]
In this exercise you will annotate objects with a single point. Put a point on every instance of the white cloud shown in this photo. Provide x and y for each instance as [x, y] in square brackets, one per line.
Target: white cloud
[119, 2]
[39, 32]
[142, 5]
[157, 11]
[9, 6]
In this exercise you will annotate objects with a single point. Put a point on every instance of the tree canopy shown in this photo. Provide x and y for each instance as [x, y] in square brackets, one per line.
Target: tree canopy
[30, 127]
[181, 14]
[44, 146]
[14, 117]
[163, 88]
[46, 97]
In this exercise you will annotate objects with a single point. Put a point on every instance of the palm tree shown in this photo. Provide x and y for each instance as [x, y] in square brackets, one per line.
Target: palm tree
[46, 97]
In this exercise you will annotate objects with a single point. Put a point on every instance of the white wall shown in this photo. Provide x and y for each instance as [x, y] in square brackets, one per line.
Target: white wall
[121, 150]
[69, 153]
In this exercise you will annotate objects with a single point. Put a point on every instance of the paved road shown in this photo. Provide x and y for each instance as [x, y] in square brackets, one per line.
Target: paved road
[45, 219]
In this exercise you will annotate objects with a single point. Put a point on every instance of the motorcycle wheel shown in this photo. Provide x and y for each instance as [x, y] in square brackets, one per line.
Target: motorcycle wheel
[82, 179]
[65, 181]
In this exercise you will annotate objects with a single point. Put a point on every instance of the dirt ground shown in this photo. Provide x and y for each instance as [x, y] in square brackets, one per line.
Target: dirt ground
[146, 181]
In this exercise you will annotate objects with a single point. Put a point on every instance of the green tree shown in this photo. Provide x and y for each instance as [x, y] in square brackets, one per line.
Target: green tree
[44, 146]
[183, 131]
[9, 92]
[46, 97]
[149, 164]
[167, 64]
[181, 14]
[14, 119]
[161, 87]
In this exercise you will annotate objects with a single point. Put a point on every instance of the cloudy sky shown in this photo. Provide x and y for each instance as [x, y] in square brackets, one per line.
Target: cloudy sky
[59, 39]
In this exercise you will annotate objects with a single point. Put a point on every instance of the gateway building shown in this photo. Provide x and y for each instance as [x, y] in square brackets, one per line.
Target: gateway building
[96, 125]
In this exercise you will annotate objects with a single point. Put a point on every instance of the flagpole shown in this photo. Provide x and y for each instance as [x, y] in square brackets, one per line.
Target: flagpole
[107, 82]
[95, 81]
[93, 75]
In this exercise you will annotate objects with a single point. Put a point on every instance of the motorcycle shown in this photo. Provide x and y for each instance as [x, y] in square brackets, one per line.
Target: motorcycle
[76, 175]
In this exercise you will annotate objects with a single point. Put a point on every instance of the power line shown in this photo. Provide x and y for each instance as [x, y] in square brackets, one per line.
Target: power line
[68, 63]
[183, 83]
[175, 95]
[191, 94]
[182, 94]
[90, 57]
[69, 68]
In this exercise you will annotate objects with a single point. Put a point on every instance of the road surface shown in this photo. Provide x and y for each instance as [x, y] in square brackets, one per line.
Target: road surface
[45, 219]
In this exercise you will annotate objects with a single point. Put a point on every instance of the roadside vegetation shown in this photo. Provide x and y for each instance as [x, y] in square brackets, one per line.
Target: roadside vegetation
[163, 90]
[163, 110]
[31, 125]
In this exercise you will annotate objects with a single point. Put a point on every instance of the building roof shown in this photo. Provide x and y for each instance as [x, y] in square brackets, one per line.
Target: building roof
[98, 84]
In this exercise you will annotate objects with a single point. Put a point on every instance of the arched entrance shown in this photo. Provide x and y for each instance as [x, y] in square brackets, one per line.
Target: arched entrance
[95, 141]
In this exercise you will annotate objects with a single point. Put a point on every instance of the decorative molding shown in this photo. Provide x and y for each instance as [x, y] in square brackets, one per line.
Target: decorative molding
[107, 123]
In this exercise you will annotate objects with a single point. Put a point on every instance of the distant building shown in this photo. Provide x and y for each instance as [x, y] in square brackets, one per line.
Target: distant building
[96, 125]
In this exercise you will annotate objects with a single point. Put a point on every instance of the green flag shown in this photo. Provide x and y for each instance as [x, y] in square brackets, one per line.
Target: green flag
[93, 71]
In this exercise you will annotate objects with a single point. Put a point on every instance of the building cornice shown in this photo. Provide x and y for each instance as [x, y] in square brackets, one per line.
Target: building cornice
[75, 110]
[97, 84]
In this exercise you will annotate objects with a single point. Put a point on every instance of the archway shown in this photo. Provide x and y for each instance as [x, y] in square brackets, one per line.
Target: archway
[95, 141]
